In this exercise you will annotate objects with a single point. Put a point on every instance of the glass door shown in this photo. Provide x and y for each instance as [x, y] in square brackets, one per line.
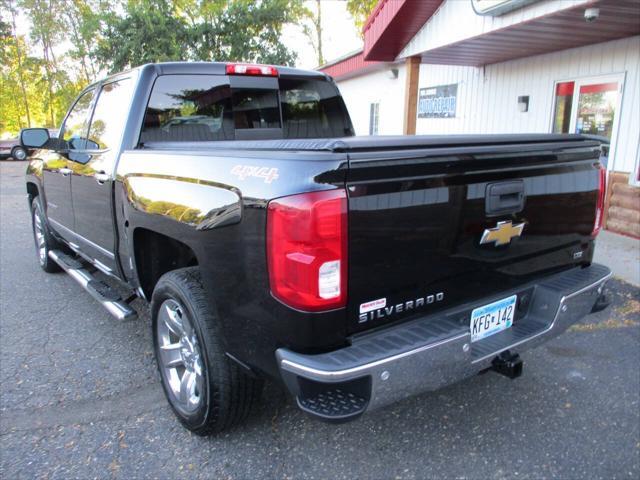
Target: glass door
[590, 106]
[596, 107]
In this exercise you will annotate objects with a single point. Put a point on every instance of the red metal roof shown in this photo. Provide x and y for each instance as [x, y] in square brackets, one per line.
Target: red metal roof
[392, 24]
[555, 31]
[350, 66]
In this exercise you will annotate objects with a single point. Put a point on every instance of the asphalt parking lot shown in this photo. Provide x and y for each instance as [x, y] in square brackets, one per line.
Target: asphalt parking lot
[80, 398]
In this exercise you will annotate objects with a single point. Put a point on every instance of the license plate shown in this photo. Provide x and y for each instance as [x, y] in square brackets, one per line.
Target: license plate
[492, 318]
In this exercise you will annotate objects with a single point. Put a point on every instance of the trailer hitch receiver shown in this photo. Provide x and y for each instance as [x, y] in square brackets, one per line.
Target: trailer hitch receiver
[507, 364]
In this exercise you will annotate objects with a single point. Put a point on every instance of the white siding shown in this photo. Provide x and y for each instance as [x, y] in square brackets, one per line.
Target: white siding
[455, 20]
[377, 87]
[487, 96]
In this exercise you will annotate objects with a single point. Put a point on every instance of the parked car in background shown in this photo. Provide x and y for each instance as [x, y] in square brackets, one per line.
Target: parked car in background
[11, 148]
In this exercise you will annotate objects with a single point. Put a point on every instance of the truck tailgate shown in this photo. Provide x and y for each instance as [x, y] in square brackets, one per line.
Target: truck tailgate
[418, 213]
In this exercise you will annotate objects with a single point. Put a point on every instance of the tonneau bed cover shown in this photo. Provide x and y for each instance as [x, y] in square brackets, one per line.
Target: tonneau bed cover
[377, 143]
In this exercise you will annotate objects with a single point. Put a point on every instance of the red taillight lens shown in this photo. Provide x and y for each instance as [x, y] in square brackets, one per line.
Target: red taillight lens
[602, 190]
[251, 69]
[307, 250]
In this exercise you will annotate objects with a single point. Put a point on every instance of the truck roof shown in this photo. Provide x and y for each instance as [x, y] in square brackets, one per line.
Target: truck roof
[219, 68]
[211, 68]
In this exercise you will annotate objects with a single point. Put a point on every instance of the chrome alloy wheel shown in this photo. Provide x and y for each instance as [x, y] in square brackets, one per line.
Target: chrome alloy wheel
[179, 356]
[38, 230]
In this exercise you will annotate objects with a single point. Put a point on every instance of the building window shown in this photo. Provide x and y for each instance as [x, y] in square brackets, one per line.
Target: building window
[562, 111]
[374, 117]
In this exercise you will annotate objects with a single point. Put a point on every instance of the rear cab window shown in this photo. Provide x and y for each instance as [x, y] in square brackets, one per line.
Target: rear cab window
[188, 108]
[203, 108]
[313, 109]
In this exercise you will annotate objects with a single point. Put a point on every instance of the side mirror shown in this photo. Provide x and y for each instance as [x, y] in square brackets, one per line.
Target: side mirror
[34, 137]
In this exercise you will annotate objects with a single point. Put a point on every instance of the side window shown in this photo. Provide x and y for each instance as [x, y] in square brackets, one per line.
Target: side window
[74, 130]
[188, 108]
[110, 115]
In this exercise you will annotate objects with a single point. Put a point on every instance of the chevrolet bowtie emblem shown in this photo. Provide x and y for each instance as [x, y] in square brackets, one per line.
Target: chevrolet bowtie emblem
[502, 233]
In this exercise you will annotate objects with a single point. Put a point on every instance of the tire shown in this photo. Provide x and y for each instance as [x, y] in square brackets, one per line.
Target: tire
[43, 239]
[207, 391]
[19, 153]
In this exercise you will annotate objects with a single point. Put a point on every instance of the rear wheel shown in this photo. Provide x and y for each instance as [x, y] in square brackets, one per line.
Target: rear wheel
[43, 239]
[206, 390]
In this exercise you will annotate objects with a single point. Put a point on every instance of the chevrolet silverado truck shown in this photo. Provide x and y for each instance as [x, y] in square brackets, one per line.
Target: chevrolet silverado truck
[271, 243]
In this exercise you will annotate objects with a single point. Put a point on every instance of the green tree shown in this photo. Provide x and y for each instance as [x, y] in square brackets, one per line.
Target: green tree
[69, 43]
[35, 88]
[208, 30]
[5, 28]
[13, 75]
[312, 28]
[147, 31]
[21, 91]
[360, 11]
[250, 31]
[47, 31]
[83, 20]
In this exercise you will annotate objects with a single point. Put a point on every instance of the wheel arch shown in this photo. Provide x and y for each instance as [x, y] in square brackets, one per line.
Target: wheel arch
[32, 191]
[34, 176]
[155, 254]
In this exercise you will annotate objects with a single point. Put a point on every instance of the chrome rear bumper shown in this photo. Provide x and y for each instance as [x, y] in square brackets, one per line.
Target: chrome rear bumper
[433, 351]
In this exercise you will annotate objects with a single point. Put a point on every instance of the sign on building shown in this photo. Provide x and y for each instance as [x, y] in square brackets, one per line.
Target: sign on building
[498, 7]
[438, 102]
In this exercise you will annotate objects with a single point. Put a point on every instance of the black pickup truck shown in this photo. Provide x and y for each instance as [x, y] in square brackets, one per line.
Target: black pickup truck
[272, 243]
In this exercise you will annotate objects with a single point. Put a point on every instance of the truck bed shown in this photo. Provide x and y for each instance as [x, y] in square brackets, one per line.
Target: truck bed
[418, 207]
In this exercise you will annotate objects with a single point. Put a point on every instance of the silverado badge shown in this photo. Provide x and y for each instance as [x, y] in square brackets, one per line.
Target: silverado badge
[502, 233]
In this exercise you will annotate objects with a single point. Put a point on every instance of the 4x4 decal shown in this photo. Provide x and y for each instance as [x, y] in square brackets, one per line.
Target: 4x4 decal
[266, 173]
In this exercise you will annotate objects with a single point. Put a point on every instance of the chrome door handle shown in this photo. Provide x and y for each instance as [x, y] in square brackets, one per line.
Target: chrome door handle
[101, 177]
[65, 171]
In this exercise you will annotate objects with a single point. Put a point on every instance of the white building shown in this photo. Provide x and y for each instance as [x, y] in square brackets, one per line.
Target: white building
[505, 66]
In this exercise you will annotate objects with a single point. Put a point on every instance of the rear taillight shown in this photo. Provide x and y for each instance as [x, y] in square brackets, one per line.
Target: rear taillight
[602, 189]
[251, 69]
[307, 250]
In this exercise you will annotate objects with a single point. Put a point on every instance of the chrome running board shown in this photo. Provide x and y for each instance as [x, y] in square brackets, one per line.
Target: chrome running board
[99, 290]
